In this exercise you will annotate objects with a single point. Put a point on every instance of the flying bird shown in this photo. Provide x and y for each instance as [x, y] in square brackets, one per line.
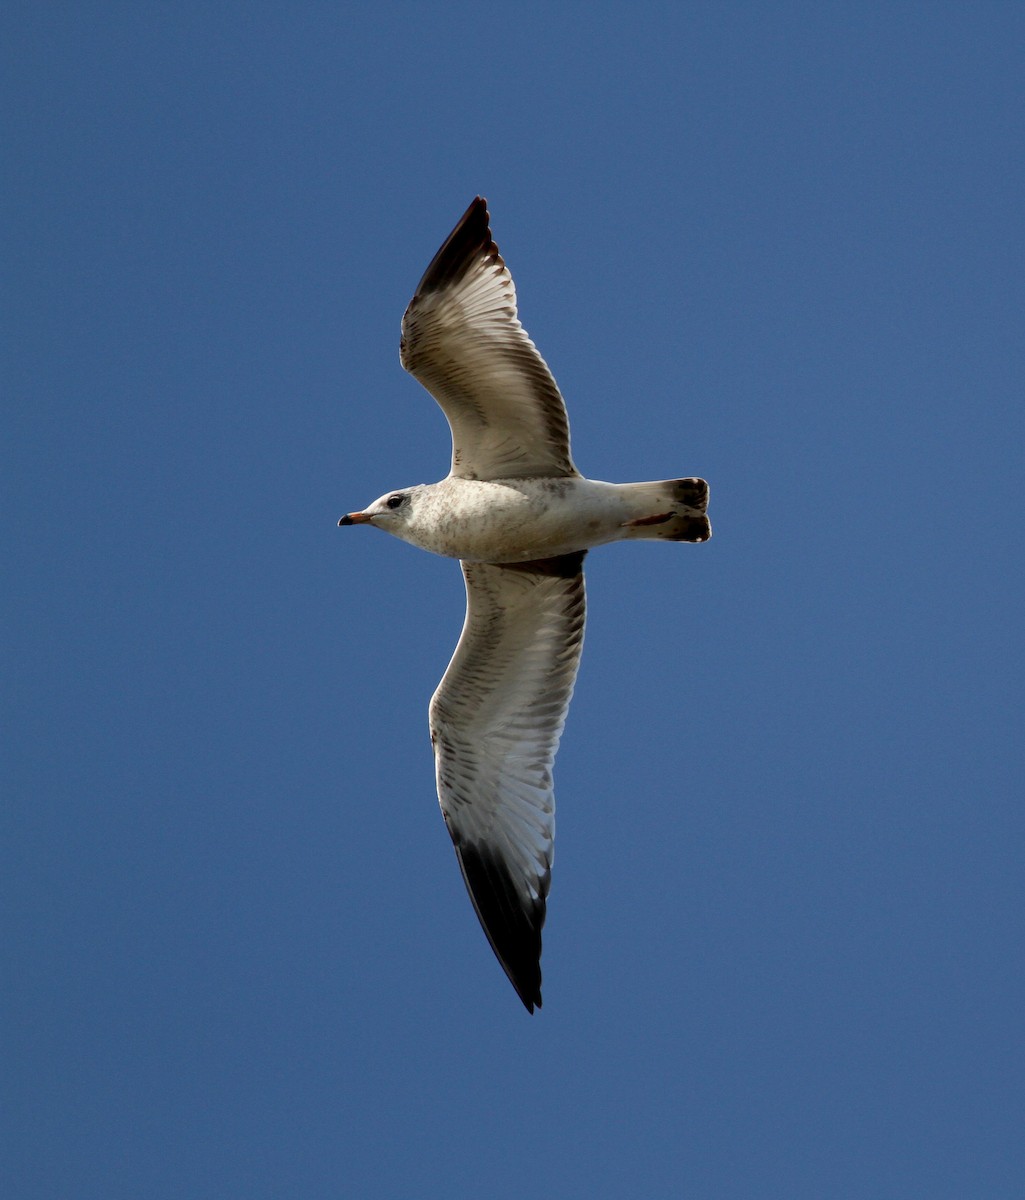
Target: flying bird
[520, 518]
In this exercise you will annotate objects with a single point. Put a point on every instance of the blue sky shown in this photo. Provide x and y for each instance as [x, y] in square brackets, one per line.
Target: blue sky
[780, 247]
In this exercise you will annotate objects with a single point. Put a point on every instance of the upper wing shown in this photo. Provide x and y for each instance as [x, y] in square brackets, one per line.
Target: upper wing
[462, 340]
[496, 720]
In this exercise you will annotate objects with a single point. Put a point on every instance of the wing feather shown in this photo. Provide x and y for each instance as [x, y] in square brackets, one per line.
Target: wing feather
[496, 720]
[462, 340]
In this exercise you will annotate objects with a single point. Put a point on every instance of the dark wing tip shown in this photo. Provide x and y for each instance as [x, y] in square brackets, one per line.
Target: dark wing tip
[470, 239]
[512, 922]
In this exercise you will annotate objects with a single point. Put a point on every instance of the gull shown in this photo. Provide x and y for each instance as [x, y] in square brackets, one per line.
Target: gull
[520, 518]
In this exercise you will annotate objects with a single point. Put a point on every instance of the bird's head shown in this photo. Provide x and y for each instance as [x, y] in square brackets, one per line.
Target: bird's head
[389, 512]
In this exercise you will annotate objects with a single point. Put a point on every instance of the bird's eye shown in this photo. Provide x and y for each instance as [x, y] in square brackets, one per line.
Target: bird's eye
[395, 501]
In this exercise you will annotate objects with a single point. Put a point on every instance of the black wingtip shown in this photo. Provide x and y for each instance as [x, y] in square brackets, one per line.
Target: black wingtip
[464, 245]
[512, 923]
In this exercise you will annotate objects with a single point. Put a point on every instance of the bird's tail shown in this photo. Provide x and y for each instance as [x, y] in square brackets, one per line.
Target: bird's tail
[672, 510]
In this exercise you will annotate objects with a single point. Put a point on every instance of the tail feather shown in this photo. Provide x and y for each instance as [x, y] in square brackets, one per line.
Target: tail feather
[672, 510]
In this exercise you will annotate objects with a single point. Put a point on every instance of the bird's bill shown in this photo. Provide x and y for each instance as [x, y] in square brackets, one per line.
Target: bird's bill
[356, 518]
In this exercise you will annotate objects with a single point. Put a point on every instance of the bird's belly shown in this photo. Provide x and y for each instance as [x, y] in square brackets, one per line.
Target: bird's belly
[499, 522]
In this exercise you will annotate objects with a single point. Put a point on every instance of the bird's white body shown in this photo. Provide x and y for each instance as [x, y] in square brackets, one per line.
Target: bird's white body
[518, 520]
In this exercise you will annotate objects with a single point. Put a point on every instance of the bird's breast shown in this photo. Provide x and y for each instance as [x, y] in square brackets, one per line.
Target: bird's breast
[514, 520]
